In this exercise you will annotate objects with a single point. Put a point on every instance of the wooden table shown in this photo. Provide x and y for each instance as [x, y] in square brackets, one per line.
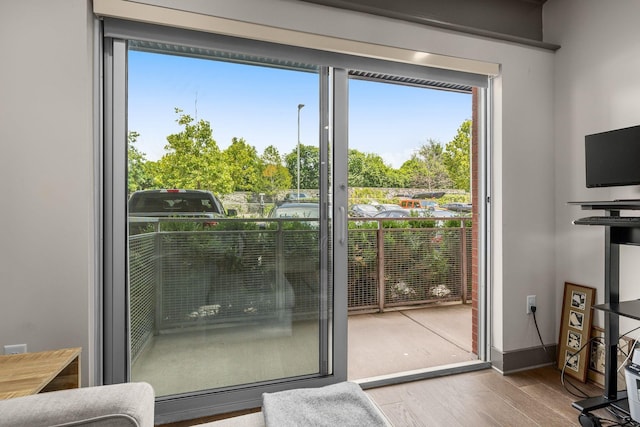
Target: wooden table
[30, 373]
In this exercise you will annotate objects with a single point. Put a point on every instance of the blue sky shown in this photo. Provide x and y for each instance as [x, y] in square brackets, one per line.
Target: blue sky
[260, 104]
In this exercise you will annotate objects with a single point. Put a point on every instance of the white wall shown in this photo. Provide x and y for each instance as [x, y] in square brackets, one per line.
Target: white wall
[597, 89]
[46, 170]
[47, 166]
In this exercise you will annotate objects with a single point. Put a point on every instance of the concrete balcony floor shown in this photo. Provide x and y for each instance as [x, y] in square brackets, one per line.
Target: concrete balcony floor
[380, 344]
[405, 340]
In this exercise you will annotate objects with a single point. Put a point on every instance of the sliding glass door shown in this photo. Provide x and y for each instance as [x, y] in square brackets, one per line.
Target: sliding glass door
[224, 222]
[219, 172]
[226, 198]
[411, 268]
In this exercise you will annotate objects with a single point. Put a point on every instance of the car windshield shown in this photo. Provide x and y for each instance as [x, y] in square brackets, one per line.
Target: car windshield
[172, 202]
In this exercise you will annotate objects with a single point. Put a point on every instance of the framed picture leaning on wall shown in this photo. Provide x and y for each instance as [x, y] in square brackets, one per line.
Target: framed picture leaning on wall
[575, 330]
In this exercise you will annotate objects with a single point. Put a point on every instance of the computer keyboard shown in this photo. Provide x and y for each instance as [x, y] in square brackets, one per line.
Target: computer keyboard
[611, 221]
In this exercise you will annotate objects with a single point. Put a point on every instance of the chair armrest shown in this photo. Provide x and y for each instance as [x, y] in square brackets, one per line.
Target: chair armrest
[129, 404]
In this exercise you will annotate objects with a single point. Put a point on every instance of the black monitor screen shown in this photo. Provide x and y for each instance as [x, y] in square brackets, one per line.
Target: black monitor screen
[613, 158]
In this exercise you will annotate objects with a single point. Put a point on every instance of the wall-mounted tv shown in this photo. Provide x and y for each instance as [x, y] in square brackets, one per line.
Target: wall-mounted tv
[613, 157]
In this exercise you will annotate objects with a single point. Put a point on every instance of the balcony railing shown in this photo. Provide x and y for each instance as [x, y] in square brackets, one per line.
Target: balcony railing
[416, 262]
[183, 274]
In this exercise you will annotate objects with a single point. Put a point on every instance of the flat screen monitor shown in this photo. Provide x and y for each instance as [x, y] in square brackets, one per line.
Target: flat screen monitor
[613, 158]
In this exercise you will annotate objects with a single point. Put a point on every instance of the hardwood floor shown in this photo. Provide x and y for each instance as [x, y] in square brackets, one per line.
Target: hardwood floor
[482, 398]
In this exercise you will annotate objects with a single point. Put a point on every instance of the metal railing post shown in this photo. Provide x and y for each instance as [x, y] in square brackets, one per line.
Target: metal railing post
[157, 267]
[463, 258]
[380, 266]
[280, 271]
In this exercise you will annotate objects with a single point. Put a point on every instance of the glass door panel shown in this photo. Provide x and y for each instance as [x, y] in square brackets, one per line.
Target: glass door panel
[410, 269]
[224, 223]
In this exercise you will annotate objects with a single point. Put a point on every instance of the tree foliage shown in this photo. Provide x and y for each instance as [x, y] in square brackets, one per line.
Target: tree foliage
[425, 169]
[274, 175]
[309, 166]
[244, 165]
[193, 159]
[370, 170]
[457, 157]
[414, 170]
[138, 176]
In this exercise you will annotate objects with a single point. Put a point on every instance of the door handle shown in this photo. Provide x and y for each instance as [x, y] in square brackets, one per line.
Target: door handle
[343, 228]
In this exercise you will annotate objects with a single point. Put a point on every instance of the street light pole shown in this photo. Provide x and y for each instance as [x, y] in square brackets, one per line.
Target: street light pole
[298, 149]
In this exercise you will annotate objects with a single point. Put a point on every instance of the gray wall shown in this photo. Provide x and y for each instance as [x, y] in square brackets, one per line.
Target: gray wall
[47, 172]
[596, 89]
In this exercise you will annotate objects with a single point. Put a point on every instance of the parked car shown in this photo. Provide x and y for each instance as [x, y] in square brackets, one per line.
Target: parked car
[458, 207]
[418, 204]
[174, 203]
[362, 210]
[393, 213]
[296, 196]
[296, 210]
[443, 214]
[387, 206]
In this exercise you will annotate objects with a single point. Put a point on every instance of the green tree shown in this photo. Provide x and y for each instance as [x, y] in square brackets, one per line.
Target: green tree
[309, 166]
[244, 165]
[138, 176]
[274, 175]
[193, 159]
[457, 157]
[271, 155]
[426, 169]
[396, 178]
[414, 170]
[370, 170]
[356, 165]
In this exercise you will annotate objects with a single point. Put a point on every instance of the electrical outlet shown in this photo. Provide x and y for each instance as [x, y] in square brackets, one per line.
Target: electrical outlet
[15, 349]
[531, 301]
